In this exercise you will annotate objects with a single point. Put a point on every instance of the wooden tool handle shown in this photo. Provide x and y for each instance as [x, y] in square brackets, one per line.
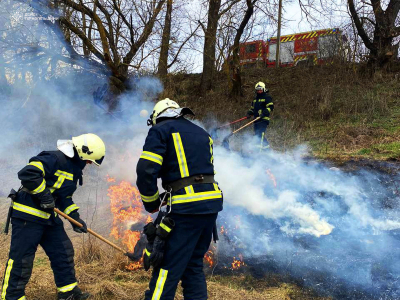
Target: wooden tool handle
[73, 221]
[246, 125]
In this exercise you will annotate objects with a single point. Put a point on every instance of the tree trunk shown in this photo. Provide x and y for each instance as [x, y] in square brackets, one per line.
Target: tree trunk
[382, 50]
[234, 70]
[209, 46]
[166, 36]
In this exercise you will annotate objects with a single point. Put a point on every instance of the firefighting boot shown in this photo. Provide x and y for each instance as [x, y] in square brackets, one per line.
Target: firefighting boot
[75, 294]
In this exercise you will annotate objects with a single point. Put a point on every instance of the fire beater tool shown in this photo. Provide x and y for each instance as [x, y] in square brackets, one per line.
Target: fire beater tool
[129, 254]
[236, 121]
[213, 132]
[225, 142]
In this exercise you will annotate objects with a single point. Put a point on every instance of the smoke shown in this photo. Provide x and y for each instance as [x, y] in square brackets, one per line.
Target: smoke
[336, 230]
[332, 230]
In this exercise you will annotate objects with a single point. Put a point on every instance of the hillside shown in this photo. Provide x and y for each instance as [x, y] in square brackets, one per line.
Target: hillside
[340, 113]
[337, 110]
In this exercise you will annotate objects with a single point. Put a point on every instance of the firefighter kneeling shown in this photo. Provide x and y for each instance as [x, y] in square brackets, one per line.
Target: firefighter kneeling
[181, 153]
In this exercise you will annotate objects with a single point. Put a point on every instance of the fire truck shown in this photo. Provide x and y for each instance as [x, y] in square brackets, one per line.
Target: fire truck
[312, 47]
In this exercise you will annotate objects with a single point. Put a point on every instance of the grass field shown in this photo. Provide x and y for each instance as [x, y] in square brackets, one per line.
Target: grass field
[102, 272]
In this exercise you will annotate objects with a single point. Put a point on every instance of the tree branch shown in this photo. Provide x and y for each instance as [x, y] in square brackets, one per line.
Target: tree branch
[393, 10]
[83, 37]
[222, 12]
[202, 26]
[145, 34]
[367, 19]
[100, 27]
[180, 48]
[360, 28]
[110, 33]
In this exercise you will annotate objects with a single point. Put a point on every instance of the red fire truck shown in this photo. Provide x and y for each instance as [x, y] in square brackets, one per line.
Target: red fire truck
[313, 47]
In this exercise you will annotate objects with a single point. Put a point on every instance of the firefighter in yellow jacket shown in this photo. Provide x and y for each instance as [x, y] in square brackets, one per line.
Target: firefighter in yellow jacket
[49, 180]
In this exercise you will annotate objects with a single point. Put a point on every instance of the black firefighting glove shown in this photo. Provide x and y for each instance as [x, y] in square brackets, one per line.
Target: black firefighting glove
[146, 256]
[75, 215]
[249, 114]
[265, 113]
[46, 200]
[157, 255]
[163, 230]
[150, 231]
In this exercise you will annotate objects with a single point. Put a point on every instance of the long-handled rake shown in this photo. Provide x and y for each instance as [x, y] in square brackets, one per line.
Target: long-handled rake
[225, 142]
[213, 131]
[129, 254]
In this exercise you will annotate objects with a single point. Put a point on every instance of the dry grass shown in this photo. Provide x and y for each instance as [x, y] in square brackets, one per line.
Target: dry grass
[336, 109]
[102, 272]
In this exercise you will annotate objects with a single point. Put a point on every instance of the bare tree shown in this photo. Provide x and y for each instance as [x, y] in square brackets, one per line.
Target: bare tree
[378, 29]
[108, 34]
[214, 14]
[234, 70]
[165, 42]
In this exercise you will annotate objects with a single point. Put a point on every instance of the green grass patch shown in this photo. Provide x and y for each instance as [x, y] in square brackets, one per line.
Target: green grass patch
[40, 261]
[364, 152]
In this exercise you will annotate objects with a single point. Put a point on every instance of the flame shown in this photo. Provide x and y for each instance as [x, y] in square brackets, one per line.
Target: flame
[126, 207]
[149, 219]
[223, 230]
[271, 176]
[110, 179]
[237, 263]
[209, 258]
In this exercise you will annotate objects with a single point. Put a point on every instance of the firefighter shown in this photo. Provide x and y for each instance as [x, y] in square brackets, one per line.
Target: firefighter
[49, 180]
[181, 153]
[262, 107]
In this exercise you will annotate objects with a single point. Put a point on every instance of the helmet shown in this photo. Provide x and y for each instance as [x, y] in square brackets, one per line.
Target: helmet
[260, 86]
[90, 147]
[160, 107]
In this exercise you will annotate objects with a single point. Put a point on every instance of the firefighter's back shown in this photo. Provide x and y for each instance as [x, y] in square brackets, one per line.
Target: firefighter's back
[189, 155]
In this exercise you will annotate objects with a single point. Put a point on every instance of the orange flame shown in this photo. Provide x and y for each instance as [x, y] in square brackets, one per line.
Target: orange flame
[126, 208]
[209, 258]
[223, 230]
[110, 179]
[237, 263]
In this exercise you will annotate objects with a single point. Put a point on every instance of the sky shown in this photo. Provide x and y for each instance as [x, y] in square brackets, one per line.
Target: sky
[333, 16]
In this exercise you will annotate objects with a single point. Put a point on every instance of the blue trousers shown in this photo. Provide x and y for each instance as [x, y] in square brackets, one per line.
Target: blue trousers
[25, 238]
[183, 259]
[260, 130]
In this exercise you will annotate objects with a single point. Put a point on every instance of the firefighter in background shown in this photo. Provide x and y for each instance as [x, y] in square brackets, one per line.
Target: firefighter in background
[48, 181]
[262, 107]
[181, 153]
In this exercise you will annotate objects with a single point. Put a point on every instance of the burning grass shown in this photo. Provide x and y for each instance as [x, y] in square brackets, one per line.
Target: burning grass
[103, 272]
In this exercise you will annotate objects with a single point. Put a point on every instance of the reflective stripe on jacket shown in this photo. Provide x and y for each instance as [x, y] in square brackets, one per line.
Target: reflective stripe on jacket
[262, 106]
[50, 170]
[175, 149]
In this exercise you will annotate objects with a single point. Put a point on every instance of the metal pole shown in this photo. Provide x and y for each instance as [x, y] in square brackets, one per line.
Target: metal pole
[278, 39]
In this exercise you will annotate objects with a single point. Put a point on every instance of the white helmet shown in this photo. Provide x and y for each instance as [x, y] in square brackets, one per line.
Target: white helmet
[90, 147]
[169, 109]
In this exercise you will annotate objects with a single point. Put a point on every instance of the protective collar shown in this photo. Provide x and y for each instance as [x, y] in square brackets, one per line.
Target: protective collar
[175, 113]
[66, 147]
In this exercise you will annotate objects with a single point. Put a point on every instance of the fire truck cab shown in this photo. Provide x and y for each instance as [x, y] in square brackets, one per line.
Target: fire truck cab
[313, 47]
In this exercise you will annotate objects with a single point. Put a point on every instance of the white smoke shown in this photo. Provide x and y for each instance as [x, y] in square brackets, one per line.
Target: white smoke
[331, 212]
